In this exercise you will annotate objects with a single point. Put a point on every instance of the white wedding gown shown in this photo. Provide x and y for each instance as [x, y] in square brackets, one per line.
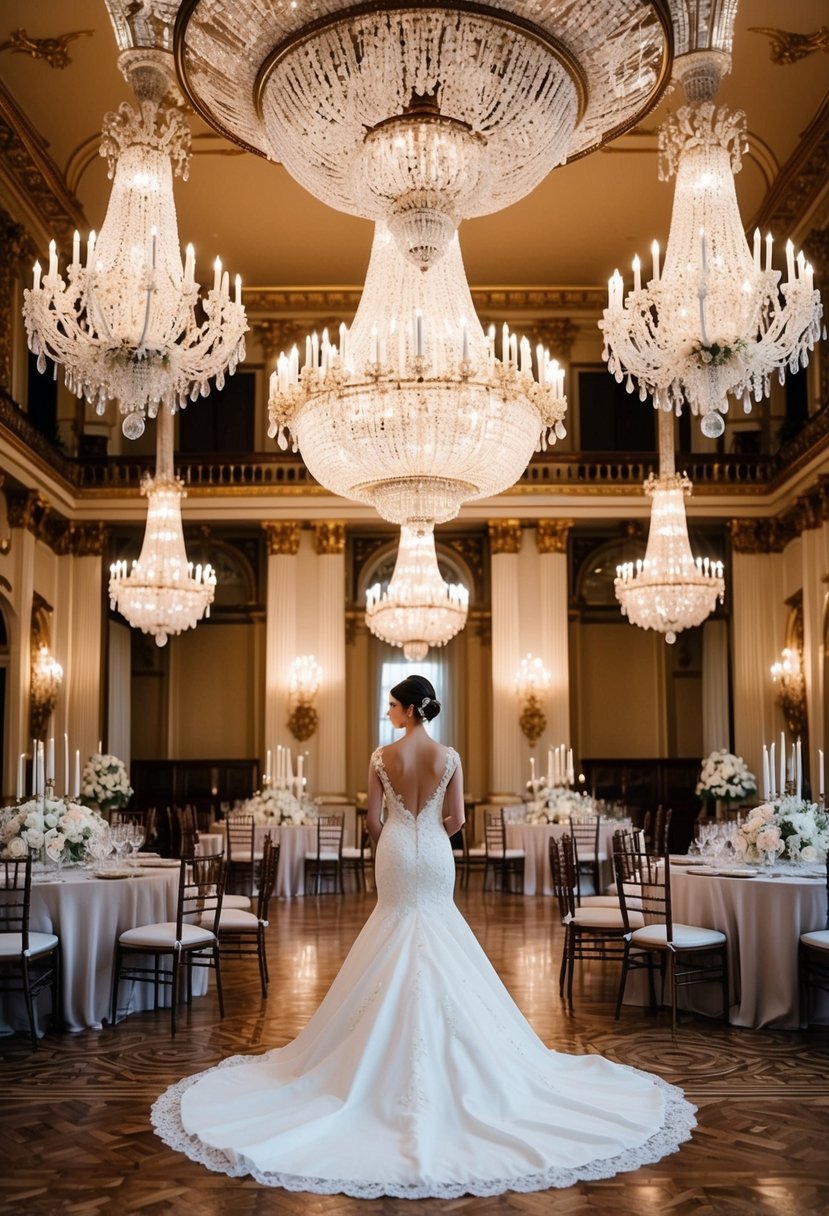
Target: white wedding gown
[418, 1076]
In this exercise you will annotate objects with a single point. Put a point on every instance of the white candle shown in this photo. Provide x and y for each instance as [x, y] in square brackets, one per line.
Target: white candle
[37, 270]
[766, 794]
[66, 785]
[756, 249]
[217, 274]
[33, 785]
[791, 765]
[90, 249]
[821, 788]
[570, 773]
[300, 769]
[76, 248]
[21, 769]
[769, 243]
[50, 760]
[798, 769]
[782, 788]
[655, 255]
[53, 259]
[549, 766]
[238, 289]
[76, 790]
[772, 771]
[532, 771]
[790, 261]
[637, 274]
[100, 748]
[268, 773]
[289, 768]
[40, 784]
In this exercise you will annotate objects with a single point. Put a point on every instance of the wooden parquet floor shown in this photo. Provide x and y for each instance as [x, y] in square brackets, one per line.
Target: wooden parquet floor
[75, 1135]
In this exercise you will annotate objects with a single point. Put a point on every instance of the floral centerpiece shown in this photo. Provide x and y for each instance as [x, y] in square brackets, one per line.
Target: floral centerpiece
[105, 783]
[273, 806]
[558, 803]
[58, 829]
[790, 828]
[725, 777]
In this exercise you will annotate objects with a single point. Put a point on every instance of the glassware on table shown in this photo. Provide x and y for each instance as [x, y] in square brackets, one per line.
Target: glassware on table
[98, 848]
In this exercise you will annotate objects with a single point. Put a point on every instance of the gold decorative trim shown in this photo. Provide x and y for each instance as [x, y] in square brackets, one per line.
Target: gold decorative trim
[31, 510]
[802, 180]
[329, 536]
[754, 536]
[788, 47]
[15, 243]
[504, 535]
[54, 51]
[551, 535]
[282, 537]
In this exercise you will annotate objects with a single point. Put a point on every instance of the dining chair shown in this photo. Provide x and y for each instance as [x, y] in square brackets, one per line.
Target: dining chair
[657, 828]
[358, 858]
[191, 940]
[585, 832]
[813, 962]
[29, 962]
[686, 955]
[467, 857]
[499, 861]
[243, 853]
[589, 933]
[242, 934]
[585, 901]
[326, 861]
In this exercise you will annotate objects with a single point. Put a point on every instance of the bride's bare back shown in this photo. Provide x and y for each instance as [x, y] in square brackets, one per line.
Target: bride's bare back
[415, 766]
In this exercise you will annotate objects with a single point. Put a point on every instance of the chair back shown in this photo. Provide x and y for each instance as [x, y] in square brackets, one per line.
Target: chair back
[201, 889]
[643, 885]
[267, 877]
[656, 828]
[495, 834]
[16, 884]
[185, 834]
[330, 835]
[562, 888]
[240, 835]
[584, 830]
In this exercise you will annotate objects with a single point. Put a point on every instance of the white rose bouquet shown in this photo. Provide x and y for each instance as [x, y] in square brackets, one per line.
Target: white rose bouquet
[793, 829]
[562, 803]
[274, 806]
[105, 783]
[725, 776]
[58, 828]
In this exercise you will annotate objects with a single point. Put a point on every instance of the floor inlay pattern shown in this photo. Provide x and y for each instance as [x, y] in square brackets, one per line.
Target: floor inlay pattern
[75, 1136]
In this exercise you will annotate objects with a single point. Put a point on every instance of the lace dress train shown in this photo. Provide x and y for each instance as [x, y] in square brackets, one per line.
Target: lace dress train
[418, 1076]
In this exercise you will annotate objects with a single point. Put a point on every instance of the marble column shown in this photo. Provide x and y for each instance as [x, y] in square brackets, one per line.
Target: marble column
[332, 706]
[280, 629]
[506, 740]
[551, 541]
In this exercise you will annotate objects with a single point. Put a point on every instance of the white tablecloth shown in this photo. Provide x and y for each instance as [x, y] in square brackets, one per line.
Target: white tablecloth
[294, 843]
[88, 914]
[763, 919]
[210, 844]
[534, 839]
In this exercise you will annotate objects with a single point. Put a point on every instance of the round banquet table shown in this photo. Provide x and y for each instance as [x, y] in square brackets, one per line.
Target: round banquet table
[534, 839]
[294, 842]
[88, 914]
[763, 919]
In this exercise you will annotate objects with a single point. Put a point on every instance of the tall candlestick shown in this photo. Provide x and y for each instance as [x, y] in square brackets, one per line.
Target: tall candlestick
[798, 770]
[550, 766]
[782, 787]
[66, 785]
[50, 760]
[570, 773]
[76, 784]
[772, 771]
[33, 785]
[532, 772]
[40, 784]
[300, 771]
[100, 748]
[268, 773]
[766, 794]
[821, 788]
[21, 769]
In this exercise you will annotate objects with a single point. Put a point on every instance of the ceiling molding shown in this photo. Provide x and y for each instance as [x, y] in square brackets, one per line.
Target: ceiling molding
[802, 182]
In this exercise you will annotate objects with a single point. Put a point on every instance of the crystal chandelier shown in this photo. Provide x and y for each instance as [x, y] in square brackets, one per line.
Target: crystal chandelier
[419, 116]
[418, 609]
[128, 323]
[669, 590]
[715, 322]
[413, 411]
[161, 594]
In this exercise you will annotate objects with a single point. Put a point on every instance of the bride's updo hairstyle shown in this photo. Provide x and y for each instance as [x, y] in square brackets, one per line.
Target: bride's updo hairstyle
[419, 693]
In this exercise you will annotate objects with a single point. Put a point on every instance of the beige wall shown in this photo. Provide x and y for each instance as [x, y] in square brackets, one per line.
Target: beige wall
[212, 702]
[620, 691]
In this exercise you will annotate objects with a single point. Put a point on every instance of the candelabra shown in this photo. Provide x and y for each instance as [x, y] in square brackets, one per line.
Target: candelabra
[787, 675]
[128, 323]
[303, 685]
[418, 609]
[46, 680]
[531, 683]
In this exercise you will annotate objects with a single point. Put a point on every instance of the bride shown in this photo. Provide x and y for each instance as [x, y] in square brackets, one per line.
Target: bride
[418, 1076]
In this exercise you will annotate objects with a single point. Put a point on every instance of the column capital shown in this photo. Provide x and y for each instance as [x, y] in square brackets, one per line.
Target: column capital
[551, 535]
[282, 537]
[504, 535]
[759, 535]
[329, 536]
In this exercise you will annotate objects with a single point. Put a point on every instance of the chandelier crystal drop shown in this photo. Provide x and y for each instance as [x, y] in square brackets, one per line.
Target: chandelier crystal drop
[128, 323]
[715, 323]
[670, 590]
[413, 411]
[161, 593]
[418, 609]
[514, 90]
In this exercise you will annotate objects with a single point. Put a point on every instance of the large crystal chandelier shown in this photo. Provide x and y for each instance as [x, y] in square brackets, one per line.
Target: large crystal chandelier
[714, 322]
[161, 594]
[128, 323]
[418, 609]
[421, 115]
[414, 411]
[670, 590]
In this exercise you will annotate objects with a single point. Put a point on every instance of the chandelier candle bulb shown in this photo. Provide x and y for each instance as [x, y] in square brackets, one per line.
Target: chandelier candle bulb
[37, 273]
[217, 274]
[76, 248]
[790, 266]
[189, 266]
[637, 274]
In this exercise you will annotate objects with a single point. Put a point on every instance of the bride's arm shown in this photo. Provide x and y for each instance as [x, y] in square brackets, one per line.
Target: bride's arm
[453, 812]
[374, 810]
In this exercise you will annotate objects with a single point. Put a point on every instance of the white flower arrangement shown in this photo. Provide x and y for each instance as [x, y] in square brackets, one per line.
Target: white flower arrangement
[53, 826]
[273, 806]
[793, 829]
[105, 783]
[555, 804]
[726, 777]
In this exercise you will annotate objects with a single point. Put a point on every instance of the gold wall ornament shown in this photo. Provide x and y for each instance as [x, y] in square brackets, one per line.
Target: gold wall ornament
[787, 676]
[54, 51]
[282, 537]
[329, 537]
[532, 720]
[559, 333]
[788, 47]
[551, 535]
[303, 722]
[275, 334]
[303, 685]
[504, 535]
[532, 681]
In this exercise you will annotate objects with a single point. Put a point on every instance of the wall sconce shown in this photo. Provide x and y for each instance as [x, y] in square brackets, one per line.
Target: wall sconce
[787, 675]
[46, 679]
[304, 683]
[531, 683]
